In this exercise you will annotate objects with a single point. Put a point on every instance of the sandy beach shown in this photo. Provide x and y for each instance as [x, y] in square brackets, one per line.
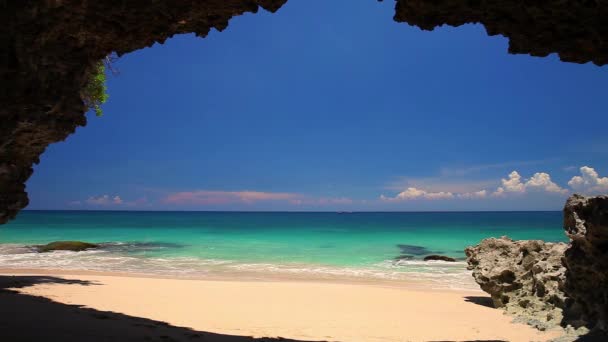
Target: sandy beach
[116, 307]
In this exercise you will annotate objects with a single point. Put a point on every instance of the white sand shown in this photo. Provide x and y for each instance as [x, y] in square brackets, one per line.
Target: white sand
[298, 310]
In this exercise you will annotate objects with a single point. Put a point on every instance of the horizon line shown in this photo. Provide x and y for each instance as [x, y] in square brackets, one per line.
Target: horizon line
[298, 211]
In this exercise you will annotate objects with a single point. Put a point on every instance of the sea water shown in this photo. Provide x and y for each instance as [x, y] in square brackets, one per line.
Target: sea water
[355, 246]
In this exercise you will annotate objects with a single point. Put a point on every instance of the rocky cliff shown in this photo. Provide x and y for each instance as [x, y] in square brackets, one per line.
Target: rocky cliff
[586, 260]
[51, 47]
[548, 284]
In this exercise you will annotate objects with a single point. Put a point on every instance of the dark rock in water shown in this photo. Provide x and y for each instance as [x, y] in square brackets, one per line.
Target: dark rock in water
[586, 261]
[75, 246]
[525, 278]
[439, 257]
[413, 250]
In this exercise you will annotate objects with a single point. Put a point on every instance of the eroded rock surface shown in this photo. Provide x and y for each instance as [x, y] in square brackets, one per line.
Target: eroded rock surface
[547, 284]
[439, 258]
[524, 277]
[586, 261]
[576, 30]
[74, 246]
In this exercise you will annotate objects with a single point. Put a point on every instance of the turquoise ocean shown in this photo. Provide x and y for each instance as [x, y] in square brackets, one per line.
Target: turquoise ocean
[359, 246]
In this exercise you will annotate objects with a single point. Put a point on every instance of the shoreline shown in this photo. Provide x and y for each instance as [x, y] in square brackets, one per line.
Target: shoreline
[254, 277]
[410, 285]
[301, 310]
[391, 272]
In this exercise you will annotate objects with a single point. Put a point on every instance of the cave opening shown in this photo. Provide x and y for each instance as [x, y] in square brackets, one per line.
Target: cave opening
[42, 91]
[227, 99]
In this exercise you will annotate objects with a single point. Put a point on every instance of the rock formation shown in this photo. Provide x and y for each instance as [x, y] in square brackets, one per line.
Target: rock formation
[586, 260]
[74, 246]
[524, 277]
[439, 258]
[545, 284]
[50, 49]
[49, 52]
[575, 30]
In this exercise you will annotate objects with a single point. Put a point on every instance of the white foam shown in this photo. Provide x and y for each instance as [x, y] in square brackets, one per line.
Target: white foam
[438, 273]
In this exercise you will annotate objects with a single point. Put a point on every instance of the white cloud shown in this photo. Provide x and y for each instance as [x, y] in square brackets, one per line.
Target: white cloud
[589, 181]
[410, 193]
[210, 197]
[439, 195]
[100, 200]
[414, 193]
[104, 200]
[442, 183]
[499, 192]
[513, 184]
[540, 181]
[217, 197]
[473, 195]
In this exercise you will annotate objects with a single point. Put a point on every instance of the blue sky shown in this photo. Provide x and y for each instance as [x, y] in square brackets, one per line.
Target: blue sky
[323, 106]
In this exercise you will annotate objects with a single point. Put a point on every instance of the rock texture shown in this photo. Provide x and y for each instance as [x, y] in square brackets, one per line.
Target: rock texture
[586, 261]
[576, 30]
[524, 277]
[74, 246]
[50, 48]
[439, 258]
[547, 284]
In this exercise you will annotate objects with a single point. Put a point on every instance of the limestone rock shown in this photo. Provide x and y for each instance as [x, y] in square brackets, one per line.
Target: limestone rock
[586, 261]
[524, 277]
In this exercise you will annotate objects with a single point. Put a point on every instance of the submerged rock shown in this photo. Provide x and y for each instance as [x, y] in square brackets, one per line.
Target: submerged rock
[413, 249]
[75, 246]
[586, 261]
[524, 277]
[439, 257]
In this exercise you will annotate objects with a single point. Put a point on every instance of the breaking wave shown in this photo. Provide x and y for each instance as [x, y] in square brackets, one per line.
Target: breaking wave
[124, 257]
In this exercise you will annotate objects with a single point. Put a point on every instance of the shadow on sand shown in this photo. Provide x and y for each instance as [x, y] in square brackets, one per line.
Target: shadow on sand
[487, 301]
[480, 300]
[31, 318]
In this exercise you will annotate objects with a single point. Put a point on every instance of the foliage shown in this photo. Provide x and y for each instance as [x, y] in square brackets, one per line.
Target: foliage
[95, 92]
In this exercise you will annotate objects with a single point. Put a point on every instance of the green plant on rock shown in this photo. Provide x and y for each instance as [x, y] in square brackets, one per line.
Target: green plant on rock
[95, 92]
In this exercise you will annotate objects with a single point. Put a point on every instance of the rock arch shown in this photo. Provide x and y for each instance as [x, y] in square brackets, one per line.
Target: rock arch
[50, 47]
